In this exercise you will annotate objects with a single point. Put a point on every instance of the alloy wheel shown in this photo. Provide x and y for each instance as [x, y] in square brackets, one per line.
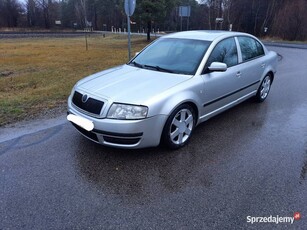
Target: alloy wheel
[181, 126]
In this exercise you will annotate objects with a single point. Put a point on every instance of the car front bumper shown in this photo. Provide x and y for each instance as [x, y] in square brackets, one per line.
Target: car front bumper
[129, 134]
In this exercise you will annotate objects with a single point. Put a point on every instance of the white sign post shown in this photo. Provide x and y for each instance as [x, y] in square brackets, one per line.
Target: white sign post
[129, 10]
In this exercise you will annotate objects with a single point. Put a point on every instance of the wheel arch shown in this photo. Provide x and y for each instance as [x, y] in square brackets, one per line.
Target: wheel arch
[195, 108]
[272, 75]
[165, 137]
[173, 103]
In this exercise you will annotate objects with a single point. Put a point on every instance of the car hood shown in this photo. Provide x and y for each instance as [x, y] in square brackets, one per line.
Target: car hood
[128, 84]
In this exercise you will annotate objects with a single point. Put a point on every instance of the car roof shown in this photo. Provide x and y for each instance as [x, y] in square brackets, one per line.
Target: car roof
[206, 35]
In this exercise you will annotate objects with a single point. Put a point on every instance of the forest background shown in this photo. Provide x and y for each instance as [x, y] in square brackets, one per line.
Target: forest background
[284, 19]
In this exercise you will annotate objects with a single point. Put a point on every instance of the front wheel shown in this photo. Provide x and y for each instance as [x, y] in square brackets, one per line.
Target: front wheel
[179, 127]
[264, 89]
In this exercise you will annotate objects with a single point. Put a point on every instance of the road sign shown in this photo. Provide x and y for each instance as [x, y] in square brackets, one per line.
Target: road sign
[184, 11]
[130, 7]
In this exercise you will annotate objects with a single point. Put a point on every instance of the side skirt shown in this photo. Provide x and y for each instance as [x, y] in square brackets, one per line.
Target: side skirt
[225, 107]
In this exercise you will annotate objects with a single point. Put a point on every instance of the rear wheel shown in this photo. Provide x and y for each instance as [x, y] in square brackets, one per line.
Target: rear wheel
[264, 88]
[179, 127]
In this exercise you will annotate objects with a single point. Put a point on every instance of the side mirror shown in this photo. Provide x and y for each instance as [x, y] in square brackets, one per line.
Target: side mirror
[217, 67]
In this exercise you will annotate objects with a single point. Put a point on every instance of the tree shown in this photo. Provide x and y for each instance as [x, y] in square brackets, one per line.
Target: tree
[148, 11]
[31, 13]
[10, 12]
[281, 18]
[290, 21]
[42, 13]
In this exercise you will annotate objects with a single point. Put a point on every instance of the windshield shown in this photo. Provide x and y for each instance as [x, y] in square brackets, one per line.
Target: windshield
[172, 55]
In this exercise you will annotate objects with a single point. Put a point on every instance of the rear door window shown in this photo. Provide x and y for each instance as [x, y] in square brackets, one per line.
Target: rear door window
[250, 48]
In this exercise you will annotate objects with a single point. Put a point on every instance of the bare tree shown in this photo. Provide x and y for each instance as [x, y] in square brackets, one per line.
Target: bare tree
[10, 12]
[268, 16]
[31, 13]
[227, 5]
[286, 19]
[290, 21]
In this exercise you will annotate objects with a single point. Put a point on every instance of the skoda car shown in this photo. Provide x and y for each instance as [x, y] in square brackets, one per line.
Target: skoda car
[171, 86]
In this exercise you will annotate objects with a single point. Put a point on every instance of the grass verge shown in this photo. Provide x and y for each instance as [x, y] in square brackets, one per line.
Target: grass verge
[38, 74]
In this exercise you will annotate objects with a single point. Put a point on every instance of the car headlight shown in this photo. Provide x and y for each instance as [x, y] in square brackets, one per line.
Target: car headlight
[127, 112]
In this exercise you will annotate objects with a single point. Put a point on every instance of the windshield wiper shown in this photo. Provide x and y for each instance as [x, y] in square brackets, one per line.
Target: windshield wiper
[159, 68]
[137, 64]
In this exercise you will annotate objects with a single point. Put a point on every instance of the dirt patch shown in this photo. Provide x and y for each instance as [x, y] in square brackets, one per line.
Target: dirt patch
[6, 73]
[36, 114]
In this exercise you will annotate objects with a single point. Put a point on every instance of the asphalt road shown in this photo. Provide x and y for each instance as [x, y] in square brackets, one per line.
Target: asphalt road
[12, 35]
[248, 161]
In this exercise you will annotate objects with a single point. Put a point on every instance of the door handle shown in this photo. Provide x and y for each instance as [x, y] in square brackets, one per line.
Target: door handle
[238, 74]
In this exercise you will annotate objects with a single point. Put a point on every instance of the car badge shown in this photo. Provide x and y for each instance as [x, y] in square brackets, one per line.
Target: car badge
[84, 98]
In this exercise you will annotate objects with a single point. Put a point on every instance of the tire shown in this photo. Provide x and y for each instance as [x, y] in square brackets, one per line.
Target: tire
[179, 127]
[264, 88]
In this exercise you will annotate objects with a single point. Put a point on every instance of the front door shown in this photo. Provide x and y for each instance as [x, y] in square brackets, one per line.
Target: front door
[221, 88]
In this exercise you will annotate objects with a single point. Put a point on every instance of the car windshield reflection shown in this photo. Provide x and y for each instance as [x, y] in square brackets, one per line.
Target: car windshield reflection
[180, 56]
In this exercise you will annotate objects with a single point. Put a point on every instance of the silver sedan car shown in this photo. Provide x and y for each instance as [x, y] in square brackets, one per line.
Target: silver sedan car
[171, 86]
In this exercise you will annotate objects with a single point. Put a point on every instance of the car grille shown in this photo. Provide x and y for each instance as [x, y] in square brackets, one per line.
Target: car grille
[91, 105]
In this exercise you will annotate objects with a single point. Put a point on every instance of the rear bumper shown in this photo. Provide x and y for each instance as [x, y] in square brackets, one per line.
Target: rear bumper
[129, 134]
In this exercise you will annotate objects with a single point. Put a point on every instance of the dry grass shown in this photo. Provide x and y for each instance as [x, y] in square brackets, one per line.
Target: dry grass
[38, 74]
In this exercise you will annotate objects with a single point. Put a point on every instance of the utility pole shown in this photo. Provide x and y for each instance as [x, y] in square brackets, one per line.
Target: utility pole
[129, 10]
[85, 25]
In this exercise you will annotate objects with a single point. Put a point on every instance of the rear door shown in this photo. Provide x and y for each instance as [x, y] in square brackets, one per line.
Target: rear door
[252, 65]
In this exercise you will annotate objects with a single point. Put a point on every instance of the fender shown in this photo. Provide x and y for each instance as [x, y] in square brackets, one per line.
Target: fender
[270, 65]
[188, 92]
